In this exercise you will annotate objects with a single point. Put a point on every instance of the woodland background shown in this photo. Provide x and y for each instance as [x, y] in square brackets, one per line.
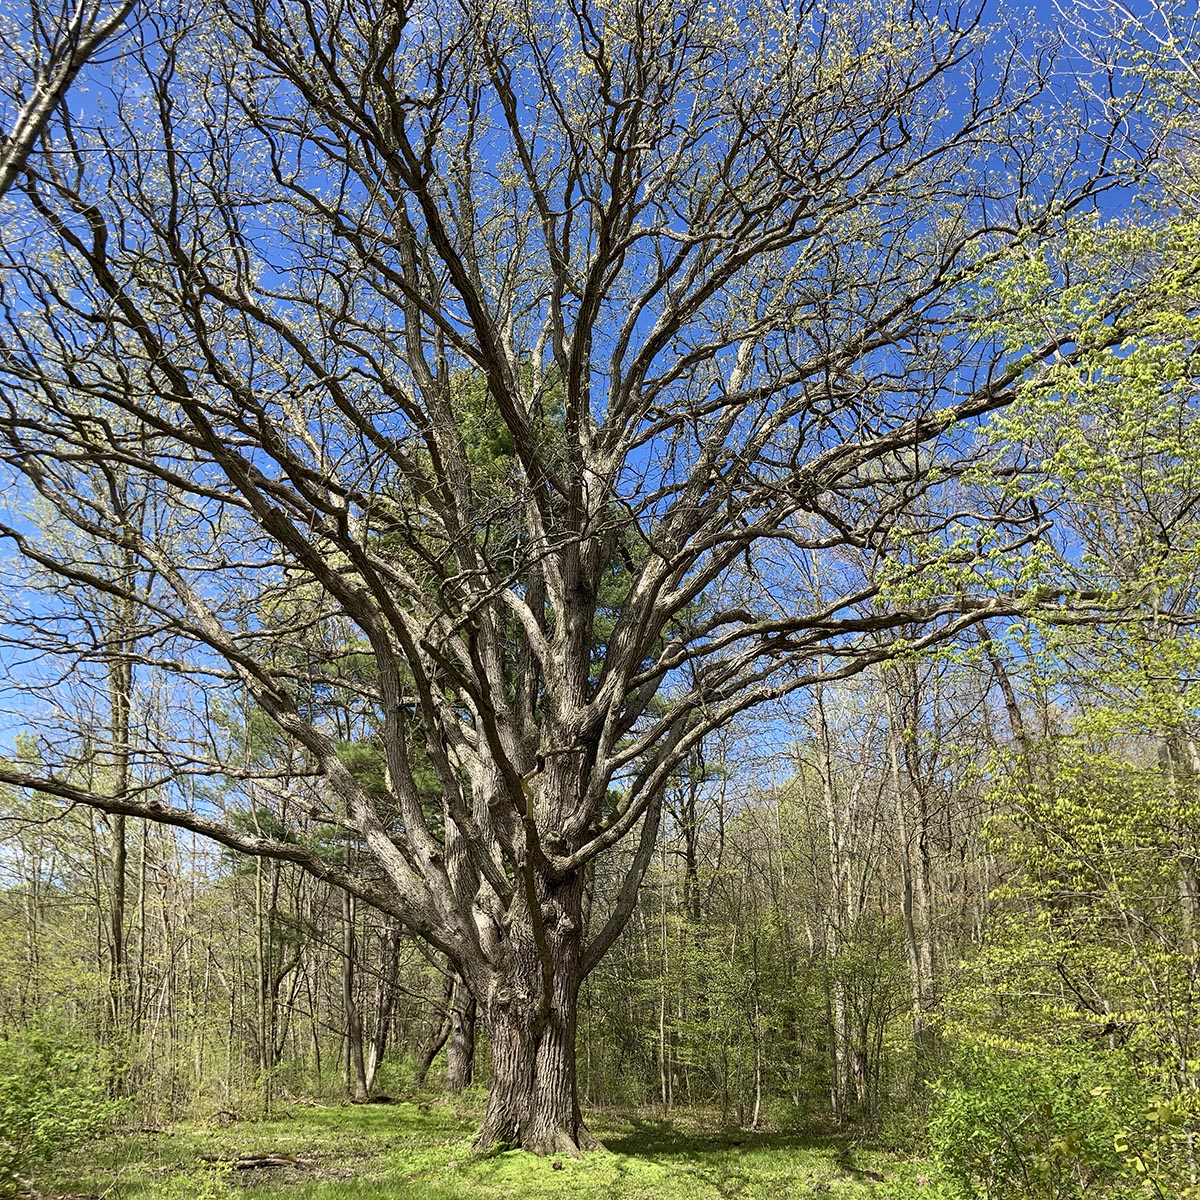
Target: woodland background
[961, 888]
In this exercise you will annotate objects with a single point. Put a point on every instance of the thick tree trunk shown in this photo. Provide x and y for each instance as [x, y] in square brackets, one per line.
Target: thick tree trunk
[533, 1101]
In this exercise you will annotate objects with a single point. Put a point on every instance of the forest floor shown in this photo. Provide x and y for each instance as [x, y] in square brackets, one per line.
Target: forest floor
[410, 1151]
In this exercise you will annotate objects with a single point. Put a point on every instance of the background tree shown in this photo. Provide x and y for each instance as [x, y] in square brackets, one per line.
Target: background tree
[1090, 971]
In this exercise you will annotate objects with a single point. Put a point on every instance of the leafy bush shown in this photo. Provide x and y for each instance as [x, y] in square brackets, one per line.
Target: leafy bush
[209, 1182]
[1019, 1123]
[50, 1100]
[1158, 1146]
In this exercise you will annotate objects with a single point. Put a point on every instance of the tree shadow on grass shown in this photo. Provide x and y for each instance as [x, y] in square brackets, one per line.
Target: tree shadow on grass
[739, 1163]
[648, 1138]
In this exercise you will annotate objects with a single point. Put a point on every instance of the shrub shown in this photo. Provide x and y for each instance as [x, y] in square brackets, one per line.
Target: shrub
[1021, 1123]
[50, 1100]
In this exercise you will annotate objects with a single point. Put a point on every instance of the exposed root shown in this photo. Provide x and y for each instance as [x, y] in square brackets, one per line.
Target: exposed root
[491, 1140]
[557, 1141]
[588, 1140]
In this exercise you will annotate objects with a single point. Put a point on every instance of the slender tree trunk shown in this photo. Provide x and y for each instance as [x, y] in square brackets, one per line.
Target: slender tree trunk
[911, 808]
[1012, 708]
[840, 1052]
[118, 986]
[354, 1033]
[664, 1090]
[758, 1063]
[139, 992]
[664, 1077]
[460, 1054]
[262, 1036]
[437, 1037]
[385, 1002]
[120, 694]
[839, 915]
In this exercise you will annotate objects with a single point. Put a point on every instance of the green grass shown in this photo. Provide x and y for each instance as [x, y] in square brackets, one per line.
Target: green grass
[416, 1151]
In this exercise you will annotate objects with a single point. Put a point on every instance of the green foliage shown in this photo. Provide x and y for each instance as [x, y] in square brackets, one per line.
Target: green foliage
[1090, 972]
[1017, 1122]
[1075, 1121]
[51, 1099]
[208, 1182]
[1095, 929]
[365, 760]
[1157, 1145]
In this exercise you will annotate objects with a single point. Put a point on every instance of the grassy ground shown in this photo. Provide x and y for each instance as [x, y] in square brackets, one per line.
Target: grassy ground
[414, 1151]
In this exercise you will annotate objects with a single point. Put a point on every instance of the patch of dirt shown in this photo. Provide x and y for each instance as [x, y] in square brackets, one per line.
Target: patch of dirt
[312, 1173]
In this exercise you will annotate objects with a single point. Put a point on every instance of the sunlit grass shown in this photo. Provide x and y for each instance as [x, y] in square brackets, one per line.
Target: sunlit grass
[414, 1151]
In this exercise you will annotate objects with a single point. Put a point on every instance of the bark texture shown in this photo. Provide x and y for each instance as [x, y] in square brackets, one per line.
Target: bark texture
[530, 1012]
[460, 1051]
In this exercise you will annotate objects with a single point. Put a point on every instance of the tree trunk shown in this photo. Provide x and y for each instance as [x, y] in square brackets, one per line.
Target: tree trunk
[911, 809]
[120, 692]
[356, 1065]
[385, 1002]
[118, 986]
[460, 1054]
[437, 1036]
[533, 1101]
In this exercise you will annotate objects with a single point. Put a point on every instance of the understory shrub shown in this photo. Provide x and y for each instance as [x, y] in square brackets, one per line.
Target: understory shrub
[51, 1099]
[1016, 1122]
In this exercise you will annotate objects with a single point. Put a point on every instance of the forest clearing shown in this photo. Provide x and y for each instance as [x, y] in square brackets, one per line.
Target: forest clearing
[423, 1152]
[600, 598]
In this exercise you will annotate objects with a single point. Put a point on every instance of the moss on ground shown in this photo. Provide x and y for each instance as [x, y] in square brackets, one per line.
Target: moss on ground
[422, 1151]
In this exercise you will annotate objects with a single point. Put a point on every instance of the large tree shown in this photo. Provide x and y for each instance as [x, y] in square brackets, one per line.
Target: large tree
[573, 379]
